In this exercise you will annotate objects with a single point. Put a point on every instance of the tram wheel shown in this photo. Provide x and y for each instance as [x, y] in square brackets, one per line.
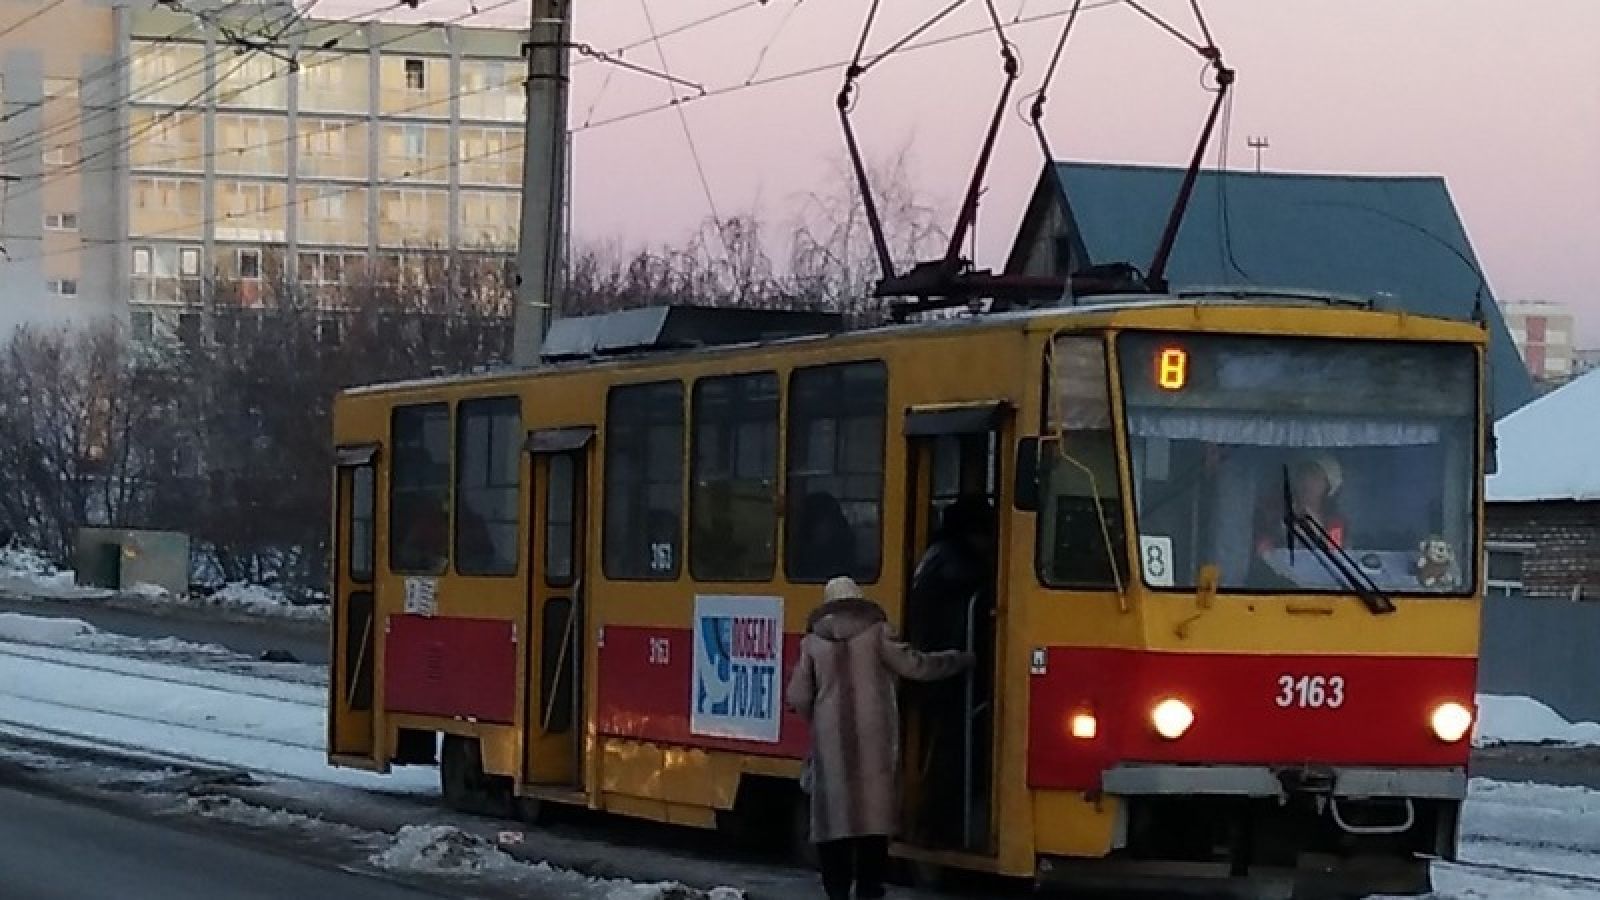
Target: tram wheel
[466, 787]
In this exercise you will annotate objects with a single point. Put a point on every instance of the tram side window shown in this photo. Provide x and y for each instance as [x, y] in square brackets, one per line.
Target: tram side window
[644, 481]
[362, 511]
[733, 503]
[488, 472]
[1081, 532]
[419, 490]
[835, 472]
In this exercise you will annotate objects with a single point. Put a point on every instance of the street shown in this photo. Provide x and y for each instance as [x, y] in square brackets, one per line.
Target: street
[55, 849]
[248, 638]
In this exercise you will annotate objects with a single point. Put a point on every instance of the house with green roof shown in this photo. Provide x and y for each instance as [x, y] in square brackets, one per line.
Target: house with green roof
[1396, 240]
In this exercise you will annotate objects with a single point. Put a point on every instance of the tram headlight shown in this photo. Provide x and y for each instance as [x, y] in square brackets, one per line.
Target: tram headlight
[1084, 726]
[1171, 718]
[1451, 721]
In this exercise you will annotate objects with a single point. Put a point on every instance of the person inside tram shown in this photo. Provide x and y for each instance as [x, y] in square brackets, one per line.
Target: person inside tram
[824, 543]
[958, 566]
[1314, 483]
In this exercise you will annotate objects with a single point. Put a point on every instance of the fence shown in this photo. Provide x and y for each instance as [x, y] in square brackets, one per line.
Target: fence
[1544, 649]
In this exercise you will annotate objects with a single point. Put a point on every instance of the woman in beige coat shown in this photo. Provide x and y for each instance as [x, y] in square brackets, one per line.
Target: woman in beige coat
[844, 684]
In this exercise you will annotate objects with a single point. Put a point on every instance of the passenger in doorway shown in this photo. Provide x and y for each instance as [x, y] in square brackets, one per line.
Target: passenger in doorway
[824, 543]
[844, 685]
[954, 578]
[958, 565]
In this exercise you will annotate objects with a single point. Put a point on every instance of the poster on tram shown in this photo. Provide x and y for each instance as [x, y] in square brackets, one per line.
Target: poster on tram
[736, 688]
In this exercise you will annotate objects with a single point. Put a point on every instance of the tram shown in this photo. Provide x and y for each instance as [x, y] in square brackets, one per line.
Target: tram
[1229, 634]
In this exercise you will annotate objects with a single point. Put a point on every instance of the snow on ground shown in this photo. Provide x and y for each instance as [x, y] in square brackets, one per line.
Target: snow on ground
[257, 600]
[29, 573]
[445, 850]
[1523, 720]
[76, 634]
[272, 725]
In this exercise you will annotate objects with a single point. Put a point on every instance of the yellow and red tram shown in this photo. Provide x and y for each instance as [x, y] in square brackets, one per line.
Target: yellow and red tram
[1233, 618]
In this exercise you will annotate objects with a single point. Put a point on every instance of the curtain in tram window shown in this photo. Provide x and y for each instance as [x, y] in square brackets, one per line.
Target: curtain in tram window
[1217, 427]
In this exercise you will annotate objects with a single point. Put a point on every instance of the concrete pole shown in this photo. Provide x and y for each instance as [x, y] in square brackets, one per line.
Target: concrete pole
[540, 238]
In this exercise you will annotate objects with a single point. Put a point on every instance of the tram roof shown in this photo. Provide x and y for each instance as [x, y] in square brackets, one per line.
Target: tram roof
[651, 333]
[1396, 238]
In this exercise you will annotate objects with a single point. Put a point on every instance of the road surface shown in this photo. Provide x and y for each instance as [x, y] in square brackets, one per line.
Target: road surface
[249, 638]
[54, 849]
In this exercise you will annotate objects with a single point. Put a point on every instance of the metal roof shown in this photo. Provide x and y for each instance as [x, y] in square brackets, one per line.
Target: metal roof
[1395, 239]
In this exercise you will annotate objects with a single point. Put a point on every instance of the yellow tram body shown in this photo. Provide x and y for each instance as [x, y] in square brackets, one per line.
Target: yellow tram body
[561, 716]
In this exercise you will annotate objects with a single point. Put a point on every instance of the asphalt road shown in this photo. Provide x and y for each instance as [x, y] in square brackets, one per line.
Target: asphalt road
[250, 638]
[54, 849]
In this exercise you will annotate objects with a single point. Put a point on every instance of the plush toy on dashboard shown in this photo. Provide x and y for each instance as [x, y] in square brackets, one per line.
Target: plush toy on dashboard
[1436, 564]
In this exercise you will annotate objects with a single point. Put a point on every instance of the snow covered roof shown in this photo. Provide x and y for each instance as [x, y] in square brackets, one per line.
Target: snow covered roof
[1547, 448]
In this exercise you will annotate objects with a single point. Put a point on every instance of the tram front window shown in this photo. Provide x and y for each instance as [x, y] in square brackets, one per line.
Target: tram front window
[1368, 446]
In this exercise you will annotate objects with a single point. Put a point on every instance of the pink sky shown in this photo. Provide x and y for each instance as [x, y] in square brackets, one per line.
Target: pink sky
[1501, 98]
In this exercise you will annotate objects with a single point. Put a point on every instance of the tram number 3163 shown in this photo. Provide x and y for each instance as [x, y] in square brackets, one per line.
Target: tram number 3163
[1311, 691]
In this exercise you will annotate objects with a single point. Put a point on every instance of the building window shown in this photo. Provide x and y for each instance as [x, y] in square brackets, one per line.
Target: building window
[249, 263]
[488, 485]
[835, 472]
[419, 490]
[60, 87]
[416, 77]
[414, 142]
[1505, 566]
[143, 324]
[61, 221]
[644, 481]
[64, 287]
[733, 503]
[141, 260]
[189, 262]
[57, 156]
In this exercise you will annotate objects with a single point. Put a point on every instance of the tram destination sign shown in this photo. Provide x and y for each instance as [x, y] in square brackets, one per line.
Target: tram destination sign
[738, 664]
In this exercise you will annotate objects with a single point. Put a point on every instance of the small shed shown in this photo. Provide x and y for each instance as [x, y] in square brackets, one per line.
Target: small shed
[127, 559]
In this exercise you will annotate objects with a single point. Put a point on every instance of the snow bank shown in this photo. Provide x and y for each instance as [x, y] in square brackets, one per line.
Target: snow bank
[28, 572]
[258, 600]
[445, 850]
[1524, 720]
[37, 630]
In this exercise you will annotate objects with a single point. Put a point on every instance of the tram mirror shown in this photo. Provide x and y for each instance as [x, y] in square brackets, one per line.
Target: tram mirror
[1491, 456]
[1033, 466]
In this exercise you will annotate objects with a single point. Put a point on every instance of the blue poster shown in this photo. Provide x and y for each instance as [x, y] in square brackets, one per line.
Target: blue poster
[736, 687]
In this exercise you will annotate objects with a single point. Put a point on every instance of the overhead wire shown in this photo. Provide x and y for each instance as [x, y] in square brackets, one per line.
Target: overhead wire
[772, 39]
[688, 132]
[832, 67]
[1166, 26]
[14, 26]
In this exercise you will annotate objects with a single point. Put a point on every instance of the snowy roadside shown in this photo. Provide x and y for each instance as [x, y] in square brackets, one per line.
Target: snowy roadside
[177, 707]
[453, 857]
[28, 575]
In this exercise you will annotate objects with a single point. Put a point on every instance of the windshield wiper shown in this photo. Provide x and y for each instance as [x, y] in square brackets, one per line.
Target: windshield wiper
[1333, 556]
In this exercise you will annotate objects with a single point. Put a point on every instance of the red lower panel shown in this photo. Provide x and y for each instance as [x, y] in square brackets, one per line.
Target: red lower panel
[644, 692]
[1381, 717]
[443, 666]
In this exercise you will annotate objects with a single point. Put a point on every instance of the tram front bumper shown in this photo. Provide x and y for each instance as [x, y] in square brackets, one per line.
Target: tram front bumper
[1356, 782]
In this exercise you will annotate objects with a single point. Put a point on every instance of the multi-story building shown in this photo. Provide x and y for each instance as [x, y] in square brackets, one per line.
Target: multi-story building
[1544, 335]
[163, 169]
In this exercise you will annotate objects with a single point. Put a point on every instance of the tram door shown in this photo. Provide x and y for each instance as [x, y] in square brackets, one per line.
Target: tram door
[950, 605]
[352, 736]
[554, 742]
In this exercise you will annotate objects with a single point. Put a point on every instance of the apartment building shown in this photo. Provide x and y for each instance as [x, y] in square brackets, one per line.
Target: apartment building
[165, 171]
[1544, 335]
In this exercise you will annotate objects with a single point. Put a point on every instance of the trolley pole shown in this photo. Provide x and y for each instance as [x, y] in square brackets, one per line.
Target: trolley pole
[541, 237]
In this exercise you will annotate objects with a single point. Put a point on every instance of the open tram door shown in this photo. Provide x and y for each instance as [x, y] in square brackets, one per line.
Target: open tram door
[554, 715]
[352, 729]
[952, 543]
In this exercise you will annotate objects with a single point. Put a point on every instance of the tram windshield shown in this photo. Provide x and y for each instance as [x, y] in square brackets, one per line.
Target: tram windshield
[1281, 461]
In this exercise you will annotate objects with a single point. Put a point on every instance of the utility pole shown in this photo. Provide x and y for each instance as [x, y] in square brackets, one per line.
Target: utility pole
[1258, 144]
[541, 237]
